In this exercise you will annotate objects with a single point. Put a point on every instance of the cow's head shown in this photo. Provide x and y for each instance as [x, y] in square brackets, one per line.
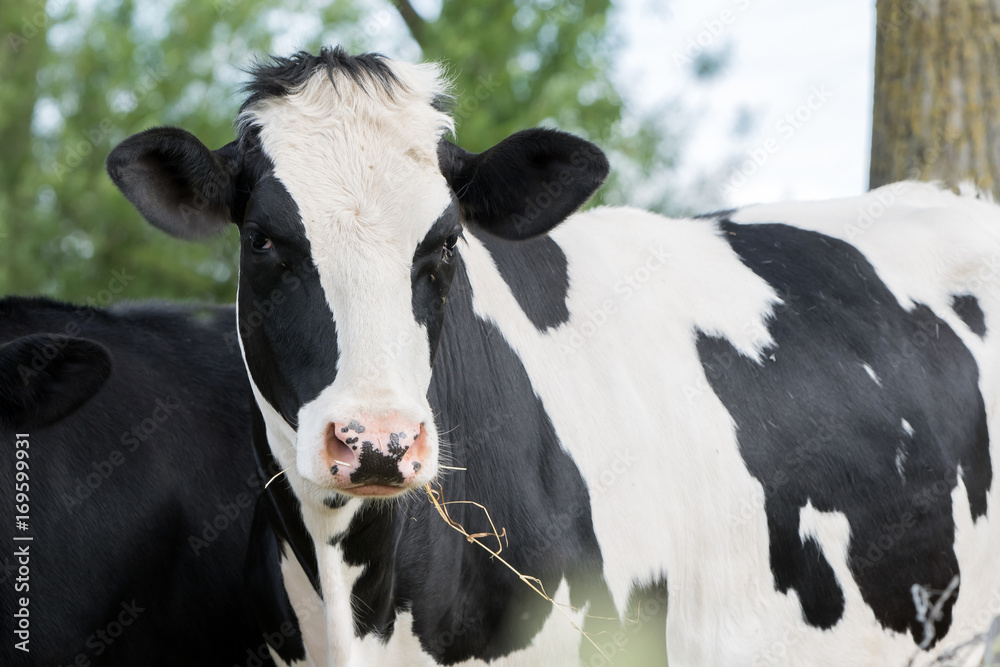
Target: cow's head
[351, 207]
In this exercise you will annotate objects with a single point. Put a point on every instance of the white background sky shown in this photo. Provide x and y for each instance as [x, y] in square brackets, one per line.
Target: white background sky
[779, 51]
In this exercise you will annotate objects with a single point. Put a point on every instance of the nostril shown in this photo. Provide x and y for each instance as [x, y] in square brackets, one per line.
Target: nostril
[419, 440]
[341, 447]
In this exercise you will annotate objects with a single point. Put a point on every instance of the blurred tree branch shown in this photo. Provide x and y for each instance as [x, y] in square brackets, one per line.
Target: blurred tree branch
[413, 20]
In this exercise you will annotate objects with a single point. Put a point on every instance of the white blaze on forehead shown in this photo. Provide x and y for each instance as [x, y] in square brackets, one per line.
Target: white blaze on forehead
[365, 148]
[361, 164]
[362, 167]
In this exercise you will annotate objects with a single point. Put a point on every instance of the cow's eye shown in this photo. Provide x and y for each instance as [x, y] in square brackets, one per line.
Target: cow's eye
[259, 242]
[449, 245]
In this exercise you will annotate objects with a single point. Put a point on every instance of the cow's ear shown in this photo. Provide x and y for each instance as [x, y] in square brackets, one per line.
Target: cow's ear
[175, 181]
[525, 185]
[44, 377]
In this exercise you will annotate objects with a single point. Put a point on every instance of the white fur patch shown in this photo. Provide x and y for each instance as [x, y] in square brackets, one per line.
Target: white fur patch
[309, 611]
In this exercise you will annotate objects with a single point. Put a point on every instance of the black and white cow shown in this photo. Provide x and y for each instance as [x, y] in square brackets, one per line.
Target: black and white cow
[128, 429]
[777, 418]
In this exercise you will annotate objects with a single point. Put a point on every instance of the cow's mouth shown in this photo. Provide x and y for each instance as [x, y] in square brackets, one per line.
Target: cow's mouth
[377, 490]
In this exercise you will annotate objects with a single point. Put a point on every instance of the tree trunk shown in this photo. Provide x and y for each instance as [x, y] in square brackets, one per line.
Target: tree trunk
[936, 109]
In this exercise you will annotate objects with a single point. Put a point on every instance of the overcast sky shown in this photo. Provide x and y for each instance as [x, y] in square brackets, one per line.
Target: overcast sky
[812, 59]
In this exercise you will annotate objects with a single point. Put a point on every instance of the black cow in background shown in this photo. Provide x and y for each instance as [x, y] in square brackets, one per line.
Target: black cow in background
[139, 483]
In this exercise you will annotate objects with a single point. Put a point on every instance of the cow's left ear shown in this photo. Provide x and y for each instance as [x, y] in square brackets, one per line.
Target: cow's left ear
[175, 181]
[44, 377]
[525, 185]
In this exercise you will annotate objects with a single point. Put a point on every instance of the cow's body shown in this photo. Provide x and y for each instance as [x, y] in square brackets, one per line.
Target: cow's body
[612, 350]
[141, 499]
[783, 434]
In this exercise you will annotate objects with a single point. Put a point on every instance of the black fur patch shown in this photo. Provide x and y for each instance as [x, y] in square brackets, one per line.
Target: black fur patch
[279, 76]
[967, 307]
[262, 572]
[815, 427]
[277, 526]
[431, 274]
[336, 501]
[288, 332]
[537, 273]
[281, 506]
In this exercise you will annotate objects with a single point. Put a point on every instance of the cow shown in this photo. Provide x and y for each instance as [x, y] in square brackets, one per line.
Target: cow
[126, 461]
[761, 436]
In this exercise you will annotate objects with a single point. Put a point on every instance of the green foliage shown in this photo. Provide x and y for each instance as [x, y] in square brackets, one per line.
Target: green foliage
[87, 79]
[80, 77]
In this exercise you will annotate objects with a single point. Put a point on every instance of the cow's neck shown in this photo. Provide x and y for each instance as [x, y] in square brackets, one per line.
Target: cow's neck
[355, 550]
[343, 547]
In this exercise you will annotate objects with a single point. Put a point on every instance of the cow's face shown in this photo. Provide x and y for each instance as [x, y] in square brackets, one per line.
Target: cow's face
[350, 206]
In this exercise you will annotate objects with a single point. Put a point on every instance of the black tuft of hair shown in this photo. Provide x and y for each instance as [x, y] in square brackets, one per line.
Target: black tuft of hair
[278, 76]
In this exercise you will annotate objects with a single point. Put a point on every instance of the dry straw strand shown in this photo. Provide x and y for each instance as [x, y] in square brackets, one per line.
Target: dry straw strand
[277, 475]
[436, 497]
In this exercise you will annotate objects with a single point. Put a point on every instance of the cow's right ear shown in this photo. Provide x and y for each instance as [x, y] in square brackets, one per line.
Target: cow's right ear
[526, 184]
[175, 181]
[44, 377]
